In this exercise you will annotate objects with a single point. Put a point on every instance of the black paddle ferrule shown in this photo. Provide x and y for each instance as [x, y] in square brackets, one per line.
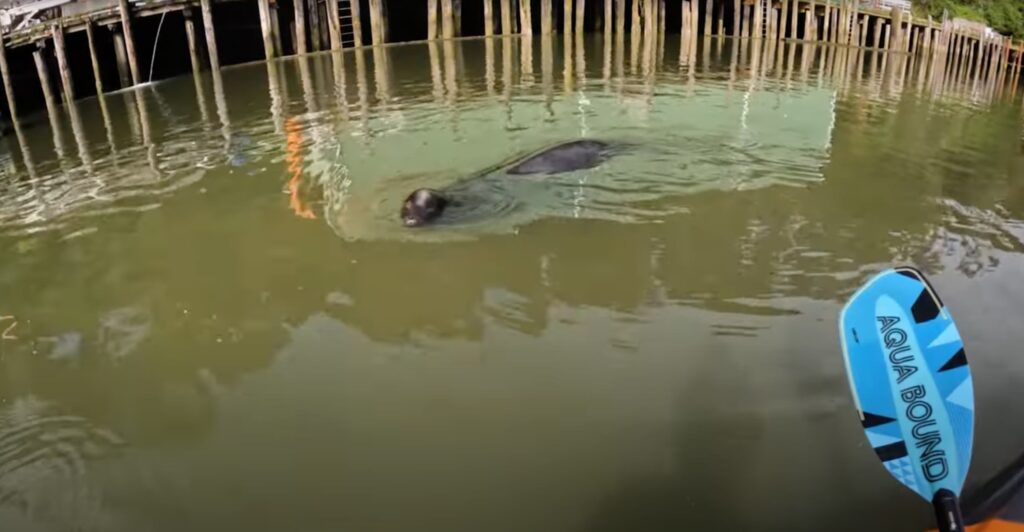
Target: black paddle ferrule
[947, 511]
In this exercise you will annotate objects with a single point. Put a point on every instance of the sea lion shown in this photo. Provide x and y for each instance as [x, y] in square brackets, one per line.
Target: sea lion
[424, 206]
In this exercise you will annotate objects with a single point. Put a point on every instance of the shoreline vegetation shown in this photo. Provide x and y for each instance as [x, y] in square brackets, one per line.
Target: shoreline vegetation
[1004, 16]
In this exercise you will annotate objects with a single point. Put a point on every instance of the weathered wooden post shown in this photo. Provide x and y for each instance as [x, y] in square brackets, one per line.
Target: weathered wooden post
[121, 57]
[896, 35]
[708, 22]
[758, 19]
[193, 46]
[357, 21]
[267, 30]
[748, 22]
[546, 18]
[784, 19]
[526, 18]
[826, 34]
[126, 24]
[447, 19]
[314, 22]
[44, 79]
[506, 17]
[376, 23]
[300, 26]
[580, 12]
[211, 36]
[488, 17]
[736, 11]
[62, 62]
[8, 86]
[333, 23]
[275, 27]
[432, 19]
[794, 21]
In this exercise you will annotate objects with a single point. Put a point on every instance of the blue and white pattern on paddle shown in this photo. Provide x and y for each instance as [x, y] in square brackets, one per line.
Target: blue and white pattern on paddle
[910, 380]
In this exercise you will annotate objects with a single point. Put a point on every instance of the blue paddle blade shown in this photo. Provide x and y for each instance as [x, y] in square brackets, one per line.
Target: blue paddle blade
[910, 381]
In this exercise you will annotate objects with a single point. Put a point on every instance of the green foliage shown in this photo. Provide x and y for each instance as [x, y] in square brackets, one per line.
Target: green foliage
[1004, 16]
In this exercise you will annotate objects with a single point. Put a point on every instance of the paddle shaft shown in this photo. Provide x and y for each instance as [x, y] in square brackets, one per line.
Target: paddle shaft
[947, 511]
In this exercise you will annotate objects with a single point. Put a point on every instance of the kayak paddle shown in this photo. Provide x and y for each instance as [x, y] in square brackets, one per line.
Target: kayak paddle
[912, 386]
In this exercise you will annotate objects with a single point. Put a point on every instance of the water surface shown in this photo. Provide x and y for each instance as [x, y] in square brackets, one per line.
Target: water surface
[222, 325]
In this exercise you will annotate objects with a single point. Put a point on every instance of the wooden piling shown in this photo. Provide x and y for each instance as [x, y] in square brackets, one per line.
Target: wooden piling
[758, 20]
[784, 19]
[211, 36]
[121, 57]
[266, 29]
[826, 29]
[432, 18]
[748, 23]
[488, 16]
[580, 18]
[357, 22]
[736, 9]
[810, 24]
[5, 73]
[62, 62]
[377, 22]
[275, 27]
[299, 24]
[447, 19]
[193, 47]
[333, 23]
[794, 21]
[526, 18]
[314, 22]
[546, 17]
[129, 42]
[44, 81]
[864, 32]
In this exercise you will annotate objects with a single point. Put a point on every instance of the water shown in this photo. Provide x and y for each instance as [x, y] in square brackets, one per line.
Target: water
[222, 325]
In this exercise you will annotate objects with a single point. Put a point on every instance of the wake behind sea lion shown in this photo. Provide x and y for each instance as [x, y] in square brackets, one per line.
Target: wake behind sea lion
[424, 206]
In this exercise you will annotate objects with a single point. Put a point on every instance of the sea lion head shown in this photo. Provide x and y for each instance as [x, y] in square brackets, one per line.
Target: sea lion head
[422, 207]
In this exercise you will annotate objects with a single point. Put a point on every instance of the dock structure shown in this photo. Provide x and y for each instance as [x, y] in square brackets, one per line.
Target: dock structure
[41, 28]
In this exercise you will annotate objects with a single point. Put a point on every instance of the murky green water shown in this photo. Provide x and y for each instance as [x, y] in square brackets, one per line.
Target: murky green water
[221, 324]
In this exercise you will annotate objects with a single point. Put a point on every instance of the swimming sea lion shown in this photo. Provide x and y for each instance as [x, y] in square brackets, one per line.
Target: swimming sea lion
[426, 205]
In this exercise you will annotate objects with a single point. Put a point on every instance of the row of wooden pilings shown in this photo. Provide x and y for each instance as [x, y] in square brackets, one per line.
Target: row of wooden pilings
[125, 48]
[842, 23]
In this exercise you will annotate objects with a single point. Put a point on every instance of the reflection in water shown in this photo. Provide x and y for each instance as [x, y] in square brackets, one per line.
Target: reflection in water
[607, 342]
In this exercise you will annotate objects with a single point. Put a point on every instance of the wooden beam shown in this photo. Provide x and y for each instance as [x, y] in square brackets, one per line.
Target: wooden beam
[211, 35]
[129, 41]
[300, 23]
